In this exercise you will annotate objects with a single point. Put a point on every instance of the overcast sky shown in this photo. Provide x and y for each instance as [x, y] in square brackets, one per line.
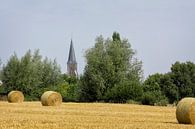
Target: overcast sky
[161, 31]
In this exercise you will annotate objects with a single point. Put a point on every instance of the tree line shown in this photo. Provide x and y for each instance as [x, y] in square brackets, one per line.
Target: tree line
[112, 74]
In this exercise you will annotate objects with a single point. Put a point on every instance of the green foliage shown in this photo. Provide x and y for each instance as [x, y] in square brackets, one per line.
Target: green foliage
[62, 88]
[1, 87]
[130, 101]
[73, 89]
[183, 76]
[124, 91]
[177, 84]
[30, 74]
[162, 102]
[112, 74]
[111, 71]
[0, 68]
[152, 83]
[152, 91]
[169, 89]
[154, 98]
[148, 98]
[88, 88]
[116, 36]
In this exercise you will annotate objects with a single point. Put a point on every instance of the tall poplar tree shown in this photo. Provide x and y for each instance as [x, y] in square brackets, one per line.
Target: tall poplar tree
[112, 72]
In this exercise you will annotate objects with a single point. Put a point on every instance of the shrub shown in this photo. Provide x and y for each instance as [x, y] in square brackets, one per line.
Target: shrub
[163, 102]
[130, 101]
[148, 98]
[154, 98]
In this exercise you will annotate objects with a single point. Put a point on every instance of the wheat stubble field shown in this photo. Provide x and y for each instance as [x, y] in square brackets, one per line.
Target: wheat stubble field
[32, 115]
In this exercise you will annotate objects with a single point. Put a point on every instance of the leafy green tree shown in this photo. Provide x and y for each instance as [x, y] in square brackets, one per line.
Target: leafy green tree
[1, 83]
[129, 90]
[152, 83]
[178, 83]
[153, 93]
[0, 70]
[10, 72]
[111, 65]
[72, 89]
[169, 89]
[183, 75]
[0, 64]
[30, 74]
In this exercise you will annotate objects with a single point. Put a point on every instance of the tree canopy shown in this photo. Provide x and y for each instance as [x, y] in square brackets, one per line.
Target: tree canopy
[111, 72]
[174, 85]
[30, 74]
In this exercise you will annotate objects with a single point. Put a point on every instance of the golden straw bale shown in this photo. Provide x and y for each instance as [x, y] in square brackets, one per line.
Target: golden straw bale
[15, 97]
[51, 98]
[185, 111]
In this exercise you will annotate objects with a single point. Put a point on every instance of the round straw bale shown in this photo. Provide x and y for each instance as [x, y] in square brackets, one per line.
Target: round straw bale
[15, 97]
[51, 98]
[185, 111]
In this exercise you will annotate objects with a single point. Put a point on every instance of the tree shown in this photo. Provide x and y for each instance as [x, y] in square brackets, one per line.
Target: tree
[0, 69]
[169, 89]
[152, 83]
[30, 74]
[0, 64]
[153, 93]
[111, 66]
[175, 85]
[10, 72]
[72, 89]
[183, 76]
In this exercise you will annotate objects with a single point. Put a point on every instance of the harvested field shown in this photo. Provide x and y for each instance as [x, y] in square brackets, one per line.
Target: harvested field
[32, 115]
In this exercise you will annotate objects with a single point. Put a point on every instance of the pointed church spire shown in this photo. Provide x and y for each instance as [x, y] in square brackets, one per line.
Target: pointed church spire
[71, 58]
[72, 63]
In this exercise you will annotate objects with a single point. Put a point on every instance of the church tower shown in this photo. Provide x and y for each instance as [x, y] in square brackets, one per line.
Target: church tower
[72, 64]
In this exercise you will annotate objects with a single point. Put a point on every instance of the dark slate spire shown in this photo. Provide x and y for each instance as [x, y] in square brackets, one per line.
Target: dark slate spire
[71, 58]
[72, 63]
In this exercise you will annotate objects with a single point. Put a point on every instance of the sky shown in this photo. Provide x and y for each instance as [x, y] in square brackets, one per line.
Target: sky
[161, 31]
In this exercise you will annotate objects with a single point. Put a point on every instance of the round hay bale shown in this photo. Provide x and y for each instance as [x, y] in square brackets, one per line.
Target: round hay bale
[51, 98]
[15, 97]
[185, 111]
